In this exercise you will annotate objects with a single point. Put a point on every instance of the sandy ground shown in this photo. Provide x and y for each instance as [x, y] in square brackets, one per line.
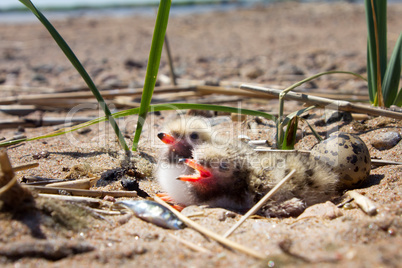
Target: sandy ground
[277, 45]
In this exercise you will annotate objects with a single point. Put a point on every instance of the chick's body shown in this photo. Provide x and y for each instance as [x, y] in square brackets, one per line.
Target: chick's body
[240, 177]
[313, 182]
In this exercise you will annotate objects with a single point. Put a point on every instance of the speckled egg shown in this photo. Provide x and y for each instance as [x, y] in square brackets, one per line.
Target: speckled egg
[347, 155]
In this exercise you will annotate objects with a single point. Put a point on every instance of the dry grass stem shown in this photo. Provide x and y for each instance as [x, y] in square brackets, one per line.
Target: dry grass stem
[282, 151]
[75, 184]
[381, 162]
[190, 245]
[324, 102]
[260, 203]
[8, 186]
[107, 94]
[209, 233]
[25, 166]
[12, 123]
[19, 110]
[76, 199]
[207, 90]
[80, 192]
[11, 193]
[108, 212]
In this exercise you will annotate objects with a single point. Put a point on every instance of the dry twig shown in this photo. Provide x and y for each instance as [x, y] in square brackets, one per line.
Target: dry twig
[190, 245]
[209, 233]
[324, 102]
[260, 203]
[80, 192]
[86, 183]
[78, 199]
[11, 193]
[25, 166]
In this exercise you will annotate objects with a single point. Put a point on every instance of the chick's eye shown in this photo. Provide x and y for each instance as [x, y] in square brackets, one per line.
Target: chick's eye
[224, 166]
[194, 136]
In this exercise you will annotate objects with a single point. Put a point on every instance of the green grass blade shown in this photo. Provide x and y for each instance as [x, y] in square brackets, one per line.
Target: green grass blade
[371, 53]
[371, 75]
[279, 125]
[297, 113]
[290, 134]
[152, 108]
[376, 47]
[318, 137]
[153, 66]
[381, 13]
[392, 75]
[77, 64]
[398, 100]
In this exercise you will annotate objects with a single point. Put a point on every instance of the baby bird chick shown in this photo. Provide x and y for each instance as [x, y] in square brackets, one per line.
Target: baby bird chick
[220, 177]
[236, 177]
[180, 136]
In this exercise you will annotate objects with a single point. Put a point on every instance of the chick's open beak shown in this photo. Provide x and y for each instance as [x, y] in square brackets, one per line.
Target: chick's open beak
[166, 138]
[201, 171]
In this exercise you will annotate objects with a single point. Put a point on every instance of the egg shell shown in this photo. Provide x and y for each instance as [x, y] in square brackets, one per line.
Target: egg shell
[347, 155]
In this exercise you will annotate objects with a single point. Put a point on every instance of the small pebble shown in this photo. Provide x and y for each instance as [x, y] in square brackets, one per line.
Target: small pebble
[252, 72]
[43, 154]
[385, 140]
[21, 129]
[109, 198]
[129, 184]
[324, 211]
[348, 206]
[230, 214]
[84, 131]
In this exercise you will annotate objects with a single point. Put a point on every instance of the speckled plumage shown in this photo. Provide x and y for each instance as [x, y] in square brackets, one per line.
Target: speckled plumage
[312, 183]
[241, 177]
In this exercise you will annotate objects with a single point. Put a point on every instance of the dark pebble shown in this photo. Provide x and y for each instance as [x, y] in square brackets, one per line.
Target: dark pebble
[129, 184]
[110, 176]
[84, 131]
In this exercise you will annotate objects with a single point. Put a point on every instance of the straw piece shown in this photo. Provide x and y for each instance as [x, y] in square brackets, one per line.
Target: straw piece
[380, 162]
[19, 110]
[41, 122]
[322, 102]
[78, 199]
[25, 166]
[80, 192]
[107, 212]
[209, 233]
[75, 184]
[190, 245]
[207, 90]
[260, 203]
[107, 94]
[12, 195]
[8, 186]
